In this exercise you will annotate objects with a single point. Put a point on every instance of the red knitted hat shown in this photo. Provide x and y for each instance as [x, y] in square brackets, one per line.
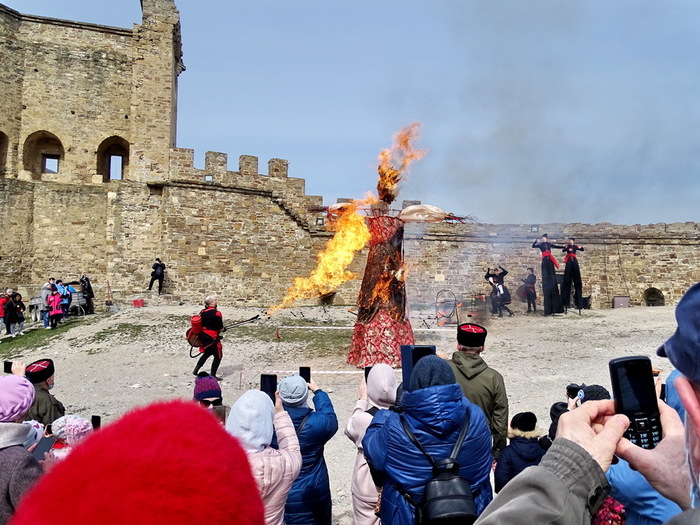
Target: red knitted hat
[170, 462]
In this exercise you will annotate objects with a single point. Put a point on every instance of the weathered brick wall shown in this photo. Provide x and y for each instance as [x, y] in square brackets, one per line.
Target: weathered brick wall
[618, 260]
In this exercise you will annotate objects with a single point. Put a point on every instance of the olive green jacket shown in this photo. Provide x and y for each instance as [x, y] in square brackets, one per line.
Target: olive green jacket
[484, 387]
[45, 409]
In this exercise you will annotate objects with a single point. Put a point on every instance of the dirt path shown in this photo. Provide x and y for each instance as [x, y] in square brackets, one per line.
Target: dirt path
[115, 362]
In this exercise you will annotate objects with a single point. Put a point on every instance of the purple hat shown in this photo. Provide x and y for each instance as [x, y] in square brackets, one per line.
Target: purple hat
[16, 397]
[683, 347]
[205, 387]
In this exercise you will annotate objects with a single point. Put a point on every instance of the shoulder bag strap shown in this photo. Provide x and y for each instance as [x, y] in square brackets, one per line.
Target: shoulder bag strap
[455, 449]
[303, 423]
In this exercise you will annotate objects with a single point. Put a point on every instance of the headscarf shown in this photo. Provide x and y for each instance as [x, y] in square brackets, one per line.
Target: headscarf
[251, 420]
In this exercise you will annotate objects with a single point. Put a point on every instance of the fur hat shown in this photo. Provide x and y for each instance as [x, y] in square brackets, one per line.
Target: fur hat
[16, 397]
[206, 386]
[39, 371]
[150, 467]
[471, 335]
[294, 391]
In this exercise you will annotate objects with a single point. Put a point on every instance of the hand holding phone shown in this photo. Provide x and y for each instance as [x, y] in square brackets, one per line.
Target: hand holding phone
[634, 393]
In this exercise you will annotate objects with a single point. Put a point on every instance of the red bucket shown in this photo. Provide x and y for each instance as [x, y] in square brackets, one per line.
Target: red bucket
[142, 303]
[137, 303]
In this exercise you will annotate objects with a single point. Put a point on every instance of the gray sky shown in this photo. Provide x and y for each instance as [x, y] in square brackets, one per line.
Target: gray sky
[537, 111]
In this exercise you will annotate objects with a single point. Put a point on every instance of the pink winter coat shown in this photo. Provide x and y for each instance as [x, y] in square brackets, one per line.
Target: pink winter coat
[276, 470]
[381, 393]
[54, 303]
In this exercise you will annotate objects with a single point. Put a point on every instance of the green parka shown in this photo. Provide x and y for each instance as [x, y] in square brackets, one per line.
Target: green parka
[484, 387]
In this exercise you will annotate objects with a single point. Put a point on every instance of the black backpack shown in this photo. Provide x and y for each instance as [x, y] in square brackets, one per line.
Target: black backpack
[447, 497]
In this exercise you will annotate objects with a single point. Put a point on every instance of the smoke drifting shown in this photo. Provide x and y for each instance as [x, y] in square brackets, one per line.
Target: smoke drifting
[582, 111]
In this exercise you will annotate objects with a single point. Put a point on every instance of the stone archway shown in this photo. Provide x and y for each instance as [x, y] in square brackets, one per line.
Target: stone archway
[42, 153]
[654, 297]
[113, 158]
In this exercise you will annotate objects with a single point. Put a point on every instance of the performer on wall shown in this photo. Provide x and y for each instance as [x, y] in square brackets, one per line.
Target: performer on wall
[550, 289]
[530, 293]
[572, 273]
[500, 296]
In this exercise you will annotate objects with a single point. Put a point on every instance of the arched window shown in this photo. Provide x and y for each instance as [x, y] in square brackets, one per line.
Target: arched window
[4, 144]
[653, 297]
[43, 153]
[113, 158]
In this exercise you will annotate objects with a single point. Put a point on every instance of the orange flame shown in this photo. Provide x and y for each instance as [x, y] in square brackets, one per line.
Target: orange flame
[351, 235]
[393, 162]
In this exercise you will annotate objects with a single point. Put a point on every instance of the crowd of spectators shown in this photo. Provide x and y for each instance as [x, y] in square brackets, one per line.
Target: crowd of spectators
[154, 460]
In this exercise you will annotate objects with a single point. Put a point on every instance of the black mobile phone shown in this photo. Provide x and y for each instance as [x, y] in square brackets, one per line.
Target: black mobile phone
[47, 430]
[7, 365]
[305, 373]
[96, 422]
[410, 355]
[42, 447]
[268, 384]
[367, 369]
[635, 396]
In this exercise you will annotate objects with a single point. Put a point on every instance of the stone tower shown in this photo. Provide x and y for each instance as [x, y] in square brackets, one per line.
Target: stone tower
[82, 103]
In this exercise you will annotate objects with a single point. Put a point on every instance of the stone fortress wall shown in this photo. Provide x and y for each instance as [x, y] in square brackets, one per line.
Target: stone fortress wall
[92, 181]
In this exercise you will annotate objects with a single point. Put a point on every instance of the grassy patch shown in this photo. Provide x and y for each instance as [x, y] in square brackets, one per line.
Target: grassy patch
[38, 337]
[312, 342]
[129, 331]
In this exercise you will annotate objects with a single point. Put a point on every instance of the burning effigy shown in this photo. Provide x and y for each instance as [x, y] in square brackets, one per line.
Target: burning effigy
[382, 324]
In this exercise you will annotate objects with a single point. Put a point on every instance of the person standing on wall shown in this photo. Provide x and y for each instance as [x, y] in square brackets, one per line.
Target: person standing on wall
[212, 326]
[158, 274]
[550, 289]
[572, 273]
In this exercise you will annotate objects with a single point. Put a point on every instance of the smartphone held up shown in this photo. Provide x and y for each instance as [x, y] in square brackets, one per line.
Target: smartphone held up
[634, 393]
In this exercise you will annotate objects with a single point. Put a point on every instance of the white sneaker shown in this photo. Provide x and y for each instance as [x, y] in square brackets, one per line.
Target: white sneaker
[47, 328]
[21, 333]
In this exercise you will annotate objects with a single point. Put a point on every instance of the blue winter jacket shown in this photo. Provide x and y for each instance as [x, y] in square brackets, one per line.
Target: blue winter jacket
[435, 415]
[309, 500]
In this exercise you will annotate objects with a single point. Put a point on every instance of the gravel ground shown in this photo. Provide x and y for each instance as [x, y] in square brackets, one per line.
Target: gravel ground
[114, 362]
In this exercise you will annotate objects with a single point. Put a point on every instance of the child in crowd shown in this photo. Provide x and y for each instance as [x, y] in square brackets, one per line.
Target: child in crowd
[523, 450]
